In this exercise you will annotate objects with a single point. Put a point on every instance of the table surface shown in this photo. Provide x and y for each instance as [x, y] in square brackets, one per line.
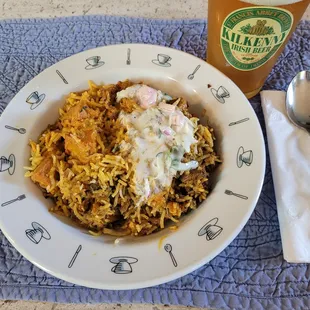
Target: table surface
[135, 8]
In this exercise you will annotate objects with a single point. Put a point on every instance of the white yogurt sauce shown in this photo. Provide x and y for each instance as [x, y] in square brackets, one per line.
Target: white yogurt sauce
[160, 136]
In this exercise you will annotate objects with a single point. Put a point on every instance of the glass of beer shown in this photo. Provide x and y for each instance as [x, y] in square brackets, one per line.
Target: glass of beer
[246, 37]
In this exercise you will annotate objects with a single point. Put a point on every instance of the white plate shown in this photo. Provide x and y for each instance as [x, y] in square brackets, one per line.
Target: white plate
[69, 253]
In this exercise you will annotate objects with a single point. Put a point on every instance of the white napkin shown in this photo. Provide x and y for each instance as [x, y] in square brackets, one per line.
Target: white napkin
[289, 149]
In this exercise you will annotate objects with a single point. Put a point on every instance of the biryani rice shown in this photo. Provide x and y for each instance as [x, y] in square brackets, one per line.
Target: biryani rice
[78, 163]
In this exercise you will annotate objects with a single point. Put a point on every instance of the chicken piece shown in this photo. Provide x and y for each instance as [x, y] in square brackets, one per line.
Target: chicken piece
[41, 173]
[88, 138]
[146, 96]
[75, 148]
[83, 146]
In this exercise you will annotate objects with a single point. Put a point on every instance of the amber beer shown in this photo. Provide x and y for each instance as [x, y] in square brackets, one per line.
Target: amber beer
[245, 38]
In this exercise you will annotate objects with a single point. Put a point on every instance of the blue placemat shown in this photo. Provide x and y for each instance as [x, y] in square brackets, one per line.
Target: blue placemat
[251, 272]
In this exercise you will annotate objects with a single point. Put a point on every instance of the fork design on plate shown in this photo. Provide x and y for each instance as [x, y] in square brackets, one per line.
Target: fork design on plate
[230, 193]
[239, 122]
[21, 197]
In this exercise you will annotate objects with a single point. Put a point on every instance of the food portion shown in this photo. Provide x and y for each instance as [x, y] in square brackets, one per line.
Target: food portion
[124, 159]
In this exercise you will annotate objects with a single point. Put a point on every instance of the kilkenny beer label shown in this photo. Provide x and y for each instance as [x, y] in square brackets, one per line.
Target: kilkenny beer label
[251, 36]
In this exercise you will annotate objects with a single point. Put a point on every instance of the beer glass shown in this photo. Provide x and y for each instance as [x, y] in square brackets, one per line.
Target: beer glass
[246, 37]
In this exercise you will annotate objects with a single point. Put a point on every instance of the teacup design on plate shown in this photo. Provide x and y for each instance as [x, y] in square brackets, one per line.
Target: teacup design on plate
[210, 229]
[94, 62]
[122, 264]
[220, 94]
[244, 157]
[162, 60]
[8, 164]
[38, 233]
[34, 99]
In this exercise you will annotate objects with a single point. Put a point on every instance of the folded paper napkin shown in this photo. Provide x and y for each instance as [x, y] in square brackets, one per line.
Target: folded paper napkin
[289, 150]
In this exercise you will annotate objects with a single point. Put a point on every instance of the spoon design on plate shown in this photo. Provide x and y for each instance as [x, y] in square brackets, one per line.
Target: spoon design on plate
[20, 130]
[192, 75]
[168, 248]
[298, 102]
